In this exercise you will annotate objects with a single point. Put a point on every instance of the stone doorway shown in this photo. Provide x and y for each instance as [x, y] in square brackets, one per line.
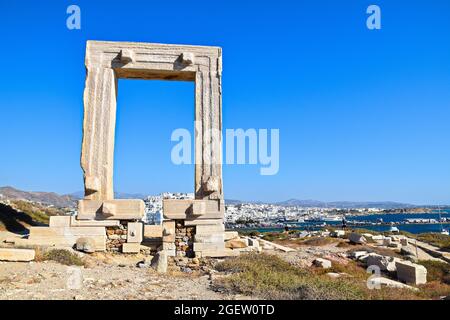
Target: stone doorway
[106, 62]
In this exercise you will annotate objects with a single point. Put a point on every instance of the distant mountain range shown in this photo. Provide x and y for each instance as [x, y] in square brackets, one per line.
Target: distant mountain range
[118, 195]
[52, 198]
[69, 200]
[346, 204]
[48, 198]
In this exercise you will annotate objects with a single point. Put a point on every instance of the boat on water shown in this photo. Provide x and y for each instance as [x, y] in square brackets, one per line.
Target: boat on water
[393, 229]
[322, 218]
[443, 231]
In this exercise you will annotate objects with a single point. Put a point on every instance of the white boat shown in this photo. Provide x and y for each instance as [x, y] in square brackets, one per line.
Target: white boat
[393, 229]
[443, 231]
[323, 218]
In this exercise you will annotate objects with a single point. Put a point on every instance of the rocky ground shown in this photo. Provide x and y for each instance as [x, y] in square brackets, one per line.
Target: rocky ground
[122, 276]
[116, 276]
[108, 279]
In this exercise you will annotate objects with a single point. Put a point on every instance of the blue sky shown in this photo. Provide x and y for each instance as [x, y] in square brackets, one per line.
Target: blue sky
[363, 114]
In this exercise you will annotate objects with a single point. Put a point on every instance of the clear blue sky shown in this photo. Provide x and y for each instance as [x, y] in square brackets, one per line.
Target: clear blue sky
[363, 115]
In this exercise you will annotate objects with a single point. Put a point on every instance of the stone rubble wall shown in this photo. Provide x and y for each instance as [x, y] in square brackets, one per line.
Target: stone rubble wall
[116, 237]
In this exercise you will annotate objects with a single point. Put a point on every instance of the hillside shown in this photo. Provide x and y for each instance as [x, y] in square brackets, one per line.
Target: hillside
[18, 215]
[46, 198]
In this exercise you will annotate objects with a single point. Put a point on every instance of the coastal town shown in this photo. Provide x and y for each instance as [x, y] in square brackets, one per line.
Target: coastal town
[245, 215]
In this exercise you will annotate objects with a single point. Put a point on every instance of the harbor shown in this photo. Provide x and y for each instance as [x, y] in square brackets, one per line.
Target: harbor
[407, 222]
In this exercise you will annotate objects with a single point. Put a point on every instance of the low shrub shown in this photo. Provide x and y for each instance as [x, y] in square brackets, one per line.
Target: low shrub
[62, 256]
[318, 241]
[270, 277]
[437, 271]
[436, 239]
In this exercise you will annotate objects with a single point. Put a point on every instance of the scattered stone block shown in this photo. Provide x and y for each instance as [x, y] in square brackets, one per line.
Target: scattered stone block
[382, 281]
[356, 238]
[363, 258]
[411, 273]
[395, 245]
[378, 237]
[334, 275]
[135, 232]
[131, 247]
[387, 241]
[17, 255]
[322, 263]
[408, 250]
[253, 242]
[236, 244]
[337, 233]
[228, 235]
[86, 245]
[357, 254]
[247, 249]
[385, 263]
[276, 246]
[303, 234]
[159, 262]
[404, 242]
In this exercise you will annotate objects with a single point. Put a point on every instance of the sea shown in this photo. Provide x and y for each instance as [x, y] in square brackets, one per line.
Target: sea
[368, 222]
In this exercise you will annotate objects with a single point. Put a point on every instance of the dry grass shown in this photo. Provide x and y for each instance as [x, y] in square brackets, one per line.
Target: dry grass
[437, 271]
[441, 241]
[319, 241]
[19, 215]
[61, 256]
[270, 277]
[272, 236]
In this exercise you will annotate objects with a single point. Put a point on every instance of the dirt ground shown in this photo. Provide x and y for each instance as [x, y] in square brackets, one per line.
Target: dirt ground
[116, 280]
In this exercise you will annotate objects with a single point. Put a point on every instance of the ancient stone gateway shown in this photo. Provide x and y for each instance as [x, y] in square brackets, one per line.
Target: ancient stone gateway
[199, 221]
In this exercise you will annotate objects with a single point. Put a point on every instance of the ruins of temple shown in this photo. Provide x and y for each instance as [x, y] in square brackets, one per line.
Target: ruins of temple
[191, 227]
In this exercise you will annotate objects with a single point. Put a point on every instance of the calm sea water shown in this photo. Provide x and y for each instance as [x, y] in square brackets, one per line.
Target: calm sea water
[387, 218]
